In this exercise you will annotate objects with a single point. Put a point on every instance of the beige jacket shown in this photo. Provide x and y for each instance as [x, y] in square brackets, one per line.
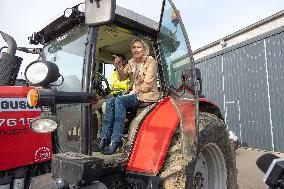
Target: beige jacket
[146, 80]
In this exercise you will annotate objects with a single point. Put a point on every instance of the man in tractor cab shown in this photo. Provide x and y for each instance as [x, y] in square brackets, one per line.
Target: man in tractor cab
[142, 72]
[118, 87]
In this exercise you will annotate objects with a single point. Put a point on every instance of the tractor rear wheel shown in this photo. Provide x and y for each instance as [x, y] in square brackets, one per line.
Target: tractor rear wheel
[215, 165]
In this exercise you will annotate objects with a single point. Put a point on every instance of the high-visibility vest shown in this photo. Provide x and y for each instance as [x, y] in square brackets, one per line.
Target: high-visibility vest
[118, 86]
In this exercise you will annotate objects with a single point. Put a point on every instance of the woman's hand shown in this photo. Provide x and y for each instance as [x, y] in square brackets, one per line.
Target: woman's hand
[118, 62]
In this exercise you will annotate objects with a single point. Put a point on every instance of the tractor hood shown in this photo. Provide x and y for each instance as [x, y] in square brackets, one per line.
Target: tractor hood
[124, 17]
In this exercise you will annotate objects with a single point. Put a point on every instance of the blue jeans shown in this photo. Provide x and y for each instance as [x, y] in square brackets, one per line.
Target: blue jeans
[114, 118]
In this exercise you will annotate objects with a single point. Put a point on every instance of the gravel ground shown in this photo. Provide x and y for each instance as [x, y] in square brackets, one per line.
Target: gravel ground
[249, 176]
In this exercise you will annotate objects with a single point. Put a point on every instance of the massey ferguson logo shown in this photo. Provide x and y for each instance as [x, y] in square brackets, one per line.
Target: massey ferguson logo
[15, 105]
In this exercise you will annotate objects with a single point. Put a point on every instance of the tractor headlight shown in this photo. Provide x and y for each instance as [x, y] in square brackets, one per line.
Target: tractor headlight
[44, 124]
[41, 73]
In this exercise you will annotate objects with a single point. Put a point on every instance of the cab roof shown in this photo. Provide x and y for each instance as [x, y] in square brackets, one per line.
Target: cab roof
[123, 17]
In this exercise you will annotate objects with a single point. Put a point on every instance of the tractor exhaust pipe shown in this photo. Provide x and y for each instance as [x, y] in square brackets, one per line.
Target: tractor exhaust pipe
[12, 45]
[9, 62]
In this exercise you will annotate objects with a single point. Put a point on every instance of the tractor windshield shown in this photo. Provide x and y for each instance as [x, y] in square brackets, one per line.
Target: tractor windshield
[67, 51]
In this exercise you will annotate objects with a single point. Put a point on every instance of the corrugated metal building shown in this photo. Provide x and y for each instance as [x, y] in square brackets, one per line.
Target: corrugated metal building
[243, 73]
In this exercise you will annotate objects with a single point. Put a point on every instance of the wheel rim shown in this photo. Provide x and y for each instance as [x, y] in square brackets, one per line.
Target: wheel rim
[210, 169]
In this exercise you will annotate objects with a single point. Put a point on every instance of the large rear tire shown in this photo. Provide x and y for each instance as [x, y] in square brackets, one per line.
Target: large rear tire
[215, 165]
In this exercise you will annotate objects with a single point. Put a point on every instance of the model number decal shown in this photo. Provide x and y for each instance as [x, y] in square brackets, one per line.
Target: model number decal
[13, 122]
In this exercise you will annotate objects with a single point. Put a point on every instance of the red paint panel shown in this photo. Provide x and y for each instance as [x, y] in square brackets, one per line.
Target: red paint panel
[154, 138]
[187, 114]
[20, 146]
[14, 91]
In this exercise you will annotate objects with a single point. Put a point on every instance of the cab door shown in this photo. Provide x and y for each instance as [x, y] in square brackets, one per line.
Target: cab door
[176, 58]
[178, 106]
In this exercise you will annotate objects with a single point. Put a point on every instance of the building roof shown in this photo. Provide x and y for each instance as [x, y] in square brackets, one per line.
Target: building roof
[263, 26]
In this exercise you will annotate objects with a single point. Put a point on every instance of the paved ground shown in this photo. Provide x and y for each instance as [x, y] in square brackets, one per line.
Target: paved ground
[249, 176]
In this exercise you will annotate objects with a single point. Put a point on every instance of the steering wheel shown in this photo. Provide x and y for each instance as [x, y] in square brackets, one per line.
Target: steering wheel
[101, 85]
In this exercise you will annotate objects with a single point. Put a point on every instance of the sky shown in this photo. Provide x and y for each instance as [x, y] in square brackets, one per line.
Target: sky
[205, 20]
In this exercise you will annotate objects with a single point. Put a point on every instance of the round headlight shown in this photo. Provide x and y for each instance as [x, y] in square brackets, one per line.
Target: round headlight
[44, 124]
[37, 72]
[41, 73]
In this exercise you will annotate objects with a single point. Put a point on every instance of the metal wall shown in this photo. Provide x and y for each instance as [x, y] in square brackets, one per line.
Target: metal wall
[246, 82]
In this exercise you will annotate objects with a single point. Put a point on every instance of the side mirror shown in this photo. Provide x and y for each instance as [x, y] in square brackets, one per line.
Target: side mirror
[99, 12]
[187, 76]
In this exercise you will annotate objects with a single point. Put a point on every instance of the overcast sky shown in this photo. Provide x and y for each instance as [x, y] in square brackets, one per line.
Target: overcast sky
[205, 20]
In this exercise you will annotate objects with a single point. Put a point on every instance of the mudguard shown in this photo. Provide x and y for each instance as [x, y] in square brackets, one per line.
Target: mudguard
[20, 146]
[154, 138]
[206, 105]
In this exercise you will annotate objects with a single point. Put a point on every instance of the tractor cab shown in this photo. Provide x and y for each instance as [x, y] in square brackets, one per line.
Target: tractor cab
[72, 82]
[65, 41]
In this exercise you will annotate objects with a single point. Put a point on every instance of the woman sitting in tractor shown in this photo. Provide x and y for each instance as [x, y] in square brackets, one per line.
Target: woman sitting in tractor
[142, 72]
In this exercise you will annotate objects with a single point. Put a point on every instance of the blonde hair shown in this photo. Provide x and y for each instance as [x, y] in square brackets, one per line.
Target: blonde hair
[145, 45]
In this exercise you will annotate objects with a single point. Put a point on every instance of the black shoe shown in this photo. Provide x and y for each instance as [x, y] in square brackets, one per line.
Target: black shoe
[112, 148]
[101, 145]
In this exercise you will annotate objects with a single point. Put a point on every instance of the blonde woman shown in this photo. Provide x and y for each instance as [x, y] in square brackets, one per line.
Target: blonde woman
[142, 72]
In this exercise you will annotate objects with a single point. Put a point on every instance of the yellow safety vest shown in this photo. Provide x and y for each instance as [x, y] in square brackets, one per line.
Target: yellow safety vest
[118, 86]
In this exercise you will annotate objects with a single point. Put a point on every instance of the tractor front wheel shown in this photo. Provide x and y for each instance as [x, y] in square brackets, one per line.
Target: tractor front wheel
[215, 165]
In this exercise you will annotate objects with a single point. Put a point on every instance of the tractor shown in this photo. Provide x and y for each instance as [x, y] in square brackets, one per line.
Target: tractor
[180, 141]
[24, 153]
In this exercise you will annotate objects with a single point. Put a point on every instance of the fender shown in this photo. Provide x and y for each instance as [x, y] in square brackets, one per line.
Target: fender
[153, 139]
[206, 105]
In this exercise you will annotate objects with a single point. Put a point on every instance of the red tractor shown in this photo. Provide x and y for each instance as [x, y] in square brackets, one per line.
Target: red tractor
[24, 154]
[180, 141]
